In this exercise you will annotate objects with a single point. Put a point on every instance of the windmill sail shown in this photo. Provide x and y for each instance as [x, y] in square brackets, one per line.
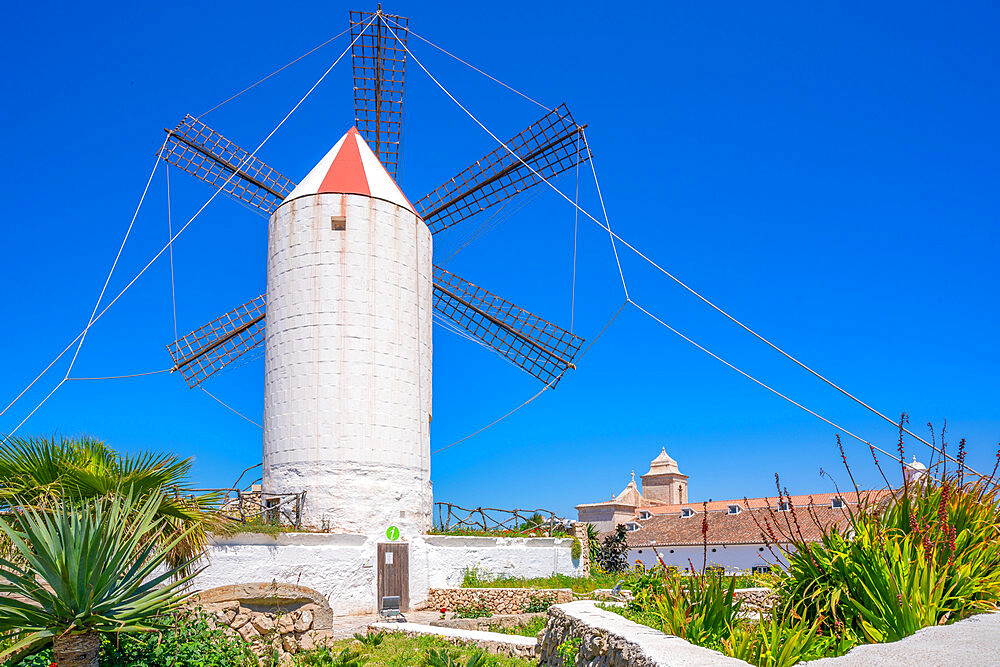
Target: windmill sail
[378, 57]
[203, 152]
[539, 347]
[206, 351]
[549, 146]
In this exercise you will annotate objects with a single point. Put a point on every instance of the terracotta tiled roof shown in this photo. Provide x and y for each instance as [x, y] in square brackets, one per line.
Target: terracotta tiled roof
[758, 524]
[769, 501]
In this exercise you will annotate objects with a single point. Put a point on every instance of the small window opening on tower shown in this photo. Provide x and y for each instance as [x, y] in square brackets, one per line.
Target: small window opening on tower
[338, 223]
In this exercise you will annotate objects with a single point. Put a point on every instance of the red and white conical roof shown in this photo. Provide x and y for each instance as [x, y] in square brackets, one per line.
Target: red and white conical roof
[351, 168]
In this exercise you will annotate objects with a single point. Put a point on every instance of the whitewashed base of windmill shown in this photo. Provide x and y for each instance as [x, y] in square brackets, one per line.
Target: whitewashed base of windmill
[343, 567]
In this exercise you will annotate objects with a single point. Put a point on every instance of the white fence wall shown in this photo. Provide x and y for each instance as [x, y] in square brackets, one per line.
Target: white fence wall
[342, 567]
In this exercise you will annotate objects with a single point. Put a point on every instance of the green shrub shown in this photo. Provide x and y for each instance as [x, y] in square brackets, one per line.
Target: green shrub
[445, 658]
[780, 642]
[576, 550]
[473, 611]
[537, 606]
[612, 555]
[187, 642]
[699, 609]
[529, 629]
[90, 567]
[930, 555]
[569, 650]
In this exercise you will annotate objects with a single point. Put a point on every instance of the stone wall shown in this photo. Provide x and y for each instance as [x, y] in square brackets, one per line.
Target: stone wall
[610, 640]
[757, 600]
[287, 631]
[497, 600]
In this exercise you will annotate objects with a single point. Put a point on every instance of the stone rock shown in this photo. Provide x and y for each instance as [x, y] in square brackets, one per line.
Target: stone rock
[263, 621]
[286, 660]
[241, 619]
[248, 631]
[289, 644]
[229, 610]
[306, 641]
[304, 621]
[285, 624]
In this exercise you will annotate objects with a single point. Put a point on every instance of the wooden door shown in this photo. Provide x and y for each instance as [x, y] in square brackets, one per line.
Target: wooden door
[394, 572]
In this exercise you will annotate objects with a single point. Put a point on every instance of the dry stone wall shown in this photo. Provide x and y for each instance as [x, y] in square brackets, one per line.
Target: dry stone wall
[756, 600]
[288, 632]
[497, 600]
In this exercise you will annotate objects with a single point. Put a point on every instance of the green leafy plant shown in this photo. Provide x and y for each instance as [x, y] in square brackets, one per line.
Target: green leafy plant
[89, 569]
[929, 555]
[188, 641]
[700, 608]
[473, 611]
[537, 605]
[370, 640]
[569, 650]
[576, 549]
[612, 555]
[778, 642]
[529, 629]
[44, 473]
[445, 658]
[593, 542]
[325, 657]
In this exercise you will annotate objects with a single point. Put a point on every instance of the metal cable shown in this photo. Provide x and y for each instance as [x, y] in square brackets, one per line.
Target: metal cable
[250, 156]
[254, 85]
[674, 278]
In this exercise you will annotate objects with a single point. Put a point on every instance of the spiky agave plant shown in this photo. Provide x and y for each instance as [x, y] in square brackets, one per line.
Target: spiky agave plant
[91, 568]
[44, 473]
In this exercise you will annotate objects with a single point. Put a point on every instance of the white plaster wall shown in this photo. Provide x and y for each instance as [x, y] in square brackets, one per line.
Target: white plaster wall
[448, 557]
[731, 557]
[347, 376]
[342, 567]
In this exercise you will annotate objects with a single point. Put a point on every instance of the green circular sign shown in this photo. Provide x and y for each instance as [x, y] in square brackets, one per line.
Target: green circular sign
[392, 533]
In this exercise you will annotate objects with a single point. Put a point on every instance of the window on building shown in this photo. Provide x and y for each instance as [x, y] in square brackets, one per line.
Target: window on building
[643, 514]
[686, 512]
[735, 509]
[760, 569]
[837, 503]
[631, 526]
[783, 506]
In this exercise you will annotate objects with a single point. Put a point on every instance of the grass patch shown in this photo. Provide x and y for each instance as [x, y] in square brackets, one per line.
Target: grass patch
[598, 579]
[529, 629]
[475, 579]
[257, 526]
[398, 651]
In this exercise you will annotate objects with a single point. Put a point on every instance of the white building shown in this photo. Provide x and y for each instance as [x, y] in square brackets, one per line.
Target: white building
[739, 534]
[347, 379]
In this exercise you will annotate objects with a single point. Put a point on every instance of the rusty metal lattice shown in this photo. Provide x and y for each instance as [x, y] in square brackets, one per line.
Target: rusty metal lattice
[549, 146]
[203, 152]
[539, 347]
[206, 351]
[379, 61]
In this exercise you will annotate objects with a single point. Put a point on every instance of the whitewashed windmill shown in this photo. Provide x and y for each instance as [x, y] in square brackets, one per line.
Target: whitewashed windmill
[351, 290]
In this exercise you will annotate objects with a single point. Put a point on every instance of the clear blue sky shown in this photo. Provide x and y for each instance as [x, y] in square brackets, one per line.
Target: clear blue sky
[825, 171]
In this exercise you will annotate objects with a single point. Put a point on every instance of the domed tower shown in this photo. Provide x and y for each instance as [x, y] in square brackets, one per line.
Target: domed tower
[347, 372]
[664, 482]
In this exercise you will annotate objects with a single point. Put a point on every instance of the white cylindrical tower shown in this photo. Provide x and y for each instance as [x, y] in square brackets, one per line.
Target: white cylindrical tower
[347, 380]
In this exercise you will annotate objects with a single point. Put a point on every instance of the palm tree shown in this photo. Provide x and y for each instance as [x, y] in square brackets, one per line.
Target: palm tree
[46, 473]
[91, 568]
